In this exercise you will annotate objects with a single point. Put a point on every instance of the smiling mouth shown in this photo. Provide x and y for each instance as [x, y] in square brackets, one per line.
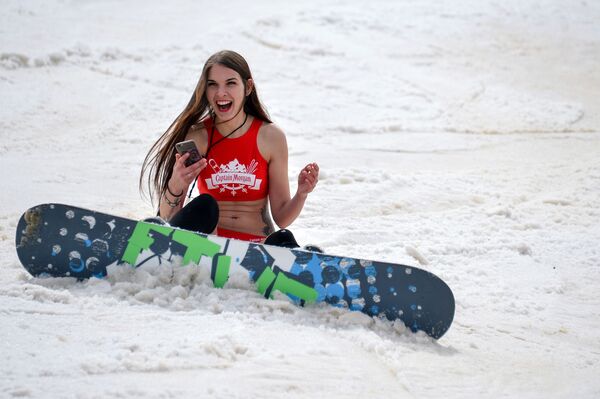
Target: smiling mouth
[224, 106]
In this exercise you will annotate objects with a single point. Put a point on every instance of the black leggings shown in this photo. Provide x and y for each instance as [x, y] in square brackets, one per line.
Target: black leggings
[202, 215]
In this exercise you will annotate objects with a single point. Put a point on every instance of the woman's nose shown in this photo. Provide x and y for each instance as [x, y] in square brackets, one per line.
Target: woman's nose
[222, 92]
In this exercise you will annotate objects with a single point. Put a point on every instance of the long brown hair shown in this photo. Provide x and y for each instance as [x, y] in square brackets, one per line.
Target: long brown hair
[159, 162]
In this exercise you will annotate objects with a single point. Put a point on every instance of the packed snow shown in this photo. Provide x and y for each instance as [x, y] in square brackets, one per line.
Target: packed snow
[462, 137]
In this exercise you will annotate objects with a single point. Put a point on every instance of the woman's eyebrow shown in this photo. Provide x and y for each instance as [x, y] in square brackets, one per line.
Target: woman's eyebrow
[227, 80]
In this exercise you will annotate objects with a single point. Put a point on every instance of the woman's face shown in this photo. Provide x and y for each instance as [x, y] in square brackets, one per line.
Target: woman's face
[225, 92]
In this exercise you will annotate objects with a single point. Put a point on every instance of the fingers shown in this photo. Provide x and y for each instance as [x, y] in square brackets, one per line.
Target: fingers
[309, 177]
[313, 170]
[180, 160]
[183, 175]
[191, 172]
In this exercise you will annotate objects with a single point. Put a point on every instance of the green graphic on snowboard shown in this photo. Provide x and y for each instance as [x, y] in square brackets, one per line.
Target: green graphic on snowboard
[198, 246]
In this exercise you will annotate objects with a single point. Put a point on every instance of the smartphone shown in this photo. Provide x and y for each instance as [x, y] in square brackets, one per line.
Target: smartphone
[189, 146]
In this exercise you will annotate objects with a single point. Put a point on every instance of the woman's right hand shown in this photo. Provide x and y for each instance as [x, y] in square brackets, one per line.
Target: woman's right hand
[183, 175]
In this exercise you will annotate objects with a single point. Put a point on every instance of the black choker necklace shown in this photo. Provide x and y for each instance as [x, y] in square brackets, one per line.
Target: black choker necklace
[212, 132]
[232, 132]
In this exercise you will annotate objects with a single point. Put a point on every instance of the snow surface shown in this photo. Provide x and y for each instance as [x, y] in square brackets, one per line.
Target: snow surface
[459, 136]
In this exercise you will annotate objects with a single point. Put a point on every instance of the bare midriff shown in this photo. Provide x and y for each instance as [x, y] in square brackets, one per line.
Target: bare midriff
[251, 217]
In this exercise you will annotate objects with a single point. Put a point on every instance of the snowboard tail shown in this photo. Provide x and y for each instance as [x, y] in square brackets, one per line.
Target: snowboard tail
[62, 240]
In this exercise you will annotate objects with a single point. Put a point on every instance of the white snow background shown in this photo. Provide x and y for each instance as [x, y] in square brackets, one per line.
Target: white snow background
[460, 136]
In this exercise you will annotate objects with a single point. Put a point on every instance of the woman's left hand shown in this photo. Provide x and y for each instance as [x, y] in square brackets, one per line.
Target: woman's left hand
[308, 179]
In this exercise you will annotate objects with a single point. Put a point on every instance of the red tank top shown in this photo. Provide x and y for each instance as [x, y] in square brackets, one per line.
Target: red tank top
[236, 169]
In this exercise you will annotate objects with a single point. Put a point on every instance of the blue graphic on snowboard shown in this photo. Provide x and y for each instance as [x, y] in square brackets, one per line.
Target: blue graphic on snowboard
[61, 240]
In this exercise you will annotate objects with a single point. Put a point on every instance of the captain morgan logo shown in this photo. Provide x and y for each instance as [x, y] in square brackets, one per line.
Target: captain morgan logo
[233, 177]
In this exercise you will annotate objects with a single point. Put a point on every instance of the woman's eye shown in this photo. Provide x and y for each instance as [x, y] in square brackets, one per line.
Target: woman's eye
[231, 83]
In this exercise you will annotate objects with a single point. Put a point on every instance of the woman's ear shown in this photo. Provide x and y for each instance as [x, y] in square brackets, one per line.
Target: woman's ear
[249, 87]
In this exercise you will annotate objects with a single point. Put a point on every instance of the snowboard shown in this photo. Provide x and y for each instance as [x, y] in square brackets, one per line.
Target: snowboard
[56, 240]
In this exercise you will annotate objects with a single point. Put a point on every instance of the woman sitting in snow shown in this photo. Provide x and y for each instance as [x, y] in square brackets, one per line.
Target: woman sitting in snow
[244, 167]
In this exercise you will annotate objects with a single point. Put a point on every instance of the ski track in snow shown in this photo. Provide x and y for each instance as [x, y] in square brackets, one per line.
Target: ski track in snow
[460, 137]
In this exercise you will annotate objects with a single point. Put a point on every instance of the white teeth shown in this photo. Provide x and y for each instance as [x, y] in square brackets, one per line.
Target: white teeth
[223, 102]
